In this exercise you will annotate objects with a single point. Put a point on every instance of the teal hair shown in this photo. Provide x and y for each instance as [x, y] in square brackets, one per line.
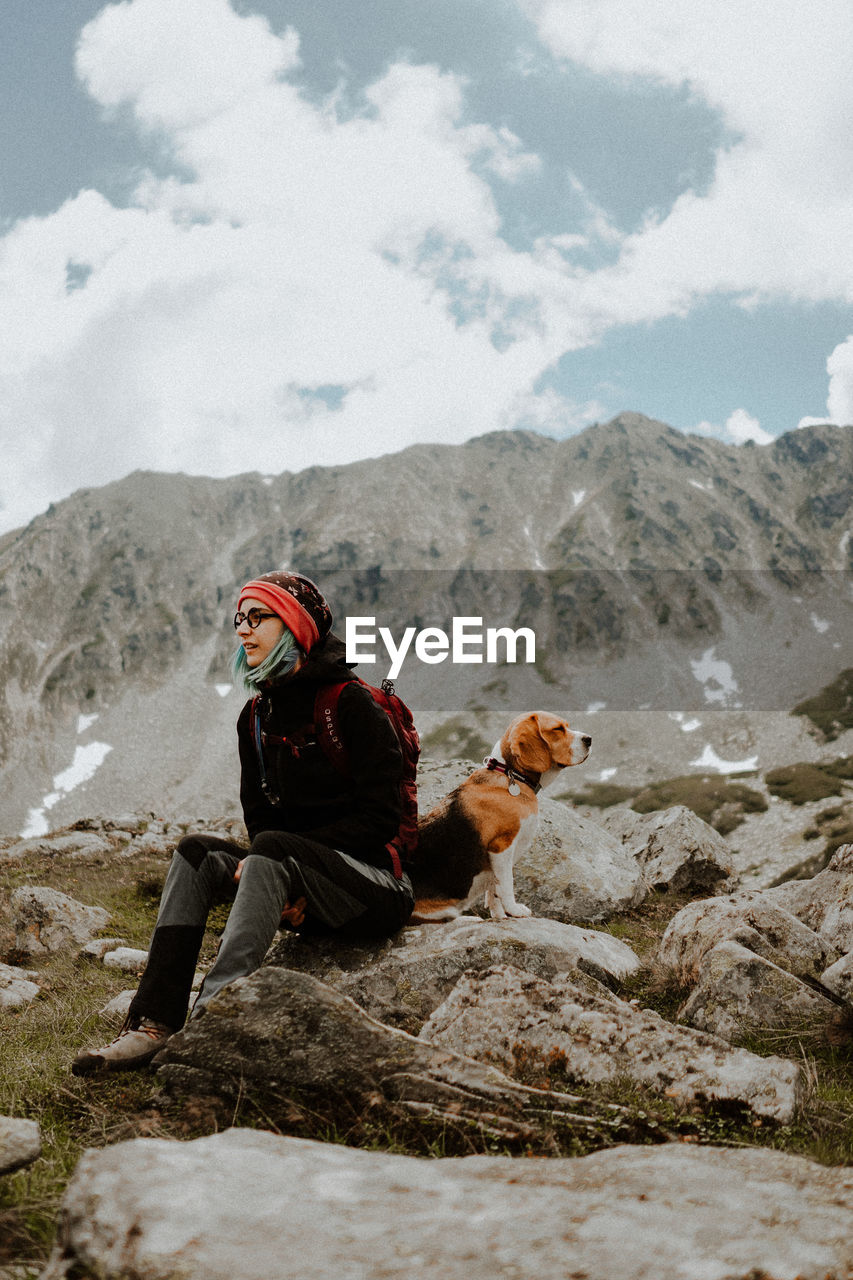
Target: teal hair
[277, 664]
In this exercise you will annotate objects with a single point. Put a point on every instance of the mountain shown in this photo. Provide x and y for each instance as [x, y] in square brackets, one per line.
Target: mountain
[655, 568]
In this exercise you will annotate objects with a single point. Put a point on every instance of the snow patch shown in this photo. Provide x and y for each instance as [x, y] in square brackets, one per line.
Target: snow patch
[706, 488]
[593, 707]
[606, 774]
[578, 496]
[84, 723]
[819, 624]
[710, 760]
[717, 677]
[687, 726]
[267, 480]
[87, 760]
[223, 689]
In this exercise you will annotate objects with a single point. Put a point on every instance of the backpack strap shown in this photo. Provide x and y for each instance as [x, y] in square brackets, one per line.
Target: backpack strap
[328, 735]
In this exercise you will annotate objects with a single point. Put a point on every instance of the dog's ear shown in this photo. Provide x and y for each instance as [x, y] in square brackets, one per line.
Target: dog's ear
[530, 740]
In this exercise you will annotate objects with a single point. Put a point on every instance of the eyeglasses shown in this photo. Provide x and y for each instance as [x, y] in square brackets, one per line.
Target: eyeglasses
[254, 618]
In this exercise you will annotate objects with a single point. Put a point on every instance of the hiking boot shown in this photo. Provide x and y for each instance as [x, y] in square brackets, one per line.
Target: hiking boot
[134, 1046]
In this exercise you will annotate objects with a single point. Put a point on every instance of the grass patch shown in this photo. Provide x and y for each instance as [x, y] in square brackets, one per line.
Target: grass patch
[602, 795]
[456, 737]
[716, 800]
[39, 1041]
[801, 783]
[830, 710]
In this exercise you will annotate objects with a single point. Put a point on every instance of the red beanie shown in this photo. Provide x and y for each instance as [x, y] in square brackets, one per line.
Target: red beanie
[296, 600]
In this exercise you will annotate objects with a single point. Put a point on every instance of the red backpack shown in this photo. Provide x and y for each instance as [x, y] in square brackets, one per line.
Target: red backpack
[404, 843]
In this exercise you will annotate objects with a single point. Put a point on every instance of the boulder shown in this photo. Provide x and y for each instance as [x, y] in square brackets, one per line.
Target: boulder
[575, 870]
[306, 1054]
[244, 1204]
[676, 850]
[128, 959]
[825, 902]
[117, 1009]
[402, 980]
[20, 1143]
[17, 986]
[522, 1023]
[98, 948]
[48, 921]
[838, 978]
[739, 992]
[79, 844]
[754, 920]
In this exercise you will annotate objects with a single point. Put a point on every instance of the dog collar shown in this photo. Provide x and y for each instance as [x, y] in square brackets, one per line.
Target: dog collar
[498, 766]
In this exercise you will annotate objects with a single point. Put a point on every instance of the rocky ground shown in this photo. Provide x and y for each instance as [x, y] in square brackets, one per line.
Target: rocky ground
[672, 1029]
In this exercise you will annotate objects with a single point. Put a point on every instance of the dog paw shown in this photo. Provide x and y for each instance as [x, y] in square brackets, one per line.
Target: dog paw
[518, 910]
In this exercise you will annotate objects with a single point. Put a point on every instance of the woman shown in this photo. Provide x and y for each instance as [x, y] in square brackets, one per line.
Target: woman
[317, 857]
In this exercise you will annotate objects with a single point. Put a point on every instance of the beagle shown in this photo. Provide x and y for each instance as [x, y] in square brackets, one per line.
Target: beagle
[470, 841]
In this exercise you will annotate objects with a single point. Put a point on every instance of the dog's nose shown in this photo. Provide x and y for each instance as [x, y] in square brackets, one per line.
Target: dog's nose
[586, 739]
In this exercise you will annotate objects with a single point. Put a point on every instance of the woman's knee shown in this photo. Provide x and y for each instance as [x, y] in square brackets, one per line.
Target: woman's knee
[276, 845]
[191, 849]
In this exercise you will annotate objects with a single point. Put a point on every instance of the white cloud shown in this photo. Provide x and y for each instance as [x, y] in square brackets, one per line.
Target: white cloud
[839, 366]
[741, 426]
[778, 211]
[294, 251]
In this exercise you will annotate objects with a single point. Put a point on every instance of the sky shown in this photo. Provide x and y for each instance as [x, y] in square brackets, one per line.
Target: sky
[253, 235]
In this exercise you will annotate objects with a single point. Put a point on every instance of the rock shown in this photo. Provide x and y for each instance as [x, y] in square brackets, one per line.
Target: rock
[676, 850]
[243, 1204]
[79, 844]
[150, 843]
[118, 1008]
[20, 1143]
[48, 921]
[17, 986]
[740, 992]
[824, 903]
[755, 921]
[98, 947]
[290, 1042]
[838, 978]
[575, 870]
[520, 1022]
[128, 959]
[401, 981]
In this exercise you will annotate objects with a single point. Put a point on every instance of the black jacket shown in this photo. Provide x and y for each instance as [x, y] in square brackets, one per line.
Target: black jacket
[357, 814]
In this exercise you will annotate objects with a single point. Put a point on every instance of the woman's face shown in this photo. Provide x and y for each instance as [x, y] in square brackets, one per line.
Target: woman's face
[259, 643]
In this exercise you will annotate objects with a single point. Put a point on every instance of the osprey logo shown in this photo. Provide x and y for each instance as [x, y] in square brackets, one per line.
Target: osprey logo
[329, 728]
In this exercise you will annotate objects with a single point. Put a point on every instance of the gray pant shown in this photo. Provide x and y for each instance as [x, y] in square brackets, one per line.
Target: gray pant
[341, 894]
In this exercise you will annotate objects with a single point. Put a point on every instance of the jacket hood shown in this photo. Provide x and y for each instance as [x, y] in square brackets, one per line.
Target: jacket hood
[326, 663]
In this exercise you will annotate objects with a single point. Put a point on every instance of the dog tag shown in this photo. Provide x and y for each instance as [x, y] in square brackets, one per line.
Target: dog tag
[514, 789]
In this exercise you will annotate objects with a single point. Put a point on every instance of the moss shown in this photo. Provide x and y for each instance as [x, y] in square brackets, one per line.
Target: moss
[601, 795]
[456, 737]
[716, 800]
[803, 782]
[830, 710]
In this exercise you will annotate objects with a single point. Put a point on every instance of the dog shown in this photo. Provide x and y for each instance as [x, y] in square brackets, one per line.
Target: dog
[470, 841]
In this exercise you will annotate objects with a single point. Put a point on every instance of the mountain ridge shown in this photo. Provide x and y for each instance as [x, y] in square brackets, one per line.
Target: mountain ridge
[631, 547]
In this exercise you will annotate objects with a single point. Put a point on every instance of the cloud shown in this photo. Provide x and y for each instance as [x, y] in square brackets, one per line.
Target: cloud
[290, 251]
[778, 207]
[741, 426]
[839, 366]
[307, 287]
